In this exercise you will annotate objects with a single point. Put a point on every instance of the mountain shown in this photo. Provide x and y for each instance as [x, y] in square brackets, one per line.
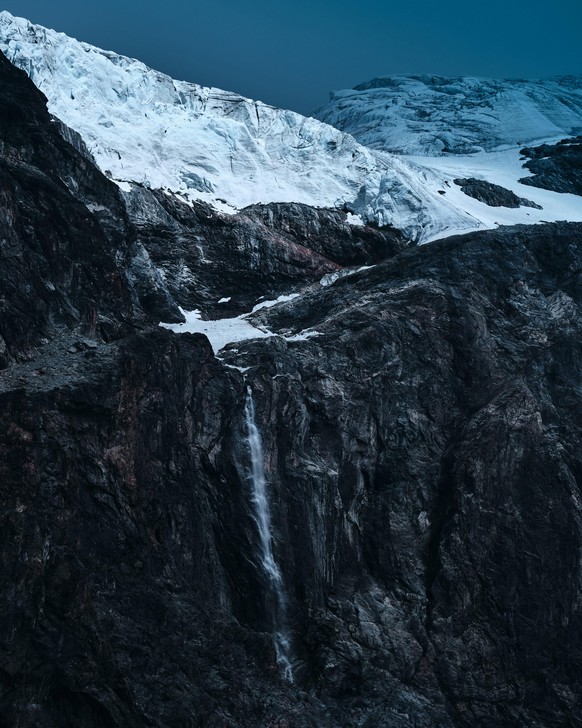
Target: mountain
[144, 128]
[355, 505]
[458, 130]
[435, 115]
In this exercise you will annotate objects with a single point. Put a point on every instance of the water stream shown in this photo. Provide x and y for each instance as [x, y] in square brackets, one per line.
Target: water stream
[275, 596]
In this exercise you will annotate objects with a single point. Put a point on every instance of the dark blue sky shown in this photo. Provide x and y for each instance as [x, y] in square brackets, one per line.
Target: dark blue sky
[292, 54]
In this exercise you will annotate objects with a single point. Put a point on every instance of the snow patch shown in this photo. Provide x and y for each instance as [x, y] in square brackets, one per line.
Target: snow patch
[123, 186]
[303, 336]
[274, 302]
[503, 168]
[330, 278]
[355, 220]
[221, 332]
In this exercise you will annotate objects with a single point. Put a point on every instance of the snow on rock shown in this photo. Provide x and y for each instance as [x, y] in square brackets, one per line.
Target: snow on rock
[355, 220]
[270, 304]
[448, 128]
[504, 168]
[331, 278]
[432, 115]
[221, 332]
[142, 126]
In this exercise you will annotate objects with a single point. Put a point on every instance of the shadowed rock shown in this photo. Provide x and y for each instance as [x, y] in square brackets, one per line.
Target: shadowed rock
[493, 195]
[556, 167]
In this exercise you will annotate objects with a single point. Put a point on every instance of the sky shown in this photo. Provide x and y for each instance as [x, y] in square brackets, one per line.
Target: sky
[292, 55]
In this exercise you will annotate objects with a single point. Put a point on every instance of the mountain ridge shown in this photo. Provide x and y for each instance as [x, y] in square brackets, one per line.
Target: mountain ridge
[205, 144]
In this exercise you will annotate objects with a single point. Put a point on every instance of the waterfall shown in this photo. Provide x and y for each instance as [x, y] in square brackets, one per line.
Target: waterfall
[276, 601]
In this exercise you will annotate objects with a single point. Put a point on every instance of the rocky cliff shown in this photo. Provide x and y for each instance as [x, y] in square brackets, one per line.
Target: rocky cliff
[425, 454]
[421, 452]
[203, 256]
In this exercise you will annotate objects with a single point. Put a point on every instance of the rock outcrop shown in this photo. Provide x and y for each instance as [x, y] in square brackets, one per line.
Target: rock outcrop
[493, 195]
[204, 256]
[556, 167]
[66, 242]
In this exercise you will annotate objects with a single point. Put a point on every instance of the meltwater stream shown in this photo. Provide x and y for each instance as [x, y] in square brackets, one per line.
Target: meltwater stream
[276, 601]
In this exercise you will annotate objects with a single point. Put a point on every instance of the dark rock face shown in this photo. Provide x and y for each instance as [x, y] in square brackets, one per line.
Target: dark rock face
[426, 459]
[422, 452]
[424, 467]
[65, 242]
[556, 167]
[125, 546]
[327, 233]
[264, 250]
[493, 195]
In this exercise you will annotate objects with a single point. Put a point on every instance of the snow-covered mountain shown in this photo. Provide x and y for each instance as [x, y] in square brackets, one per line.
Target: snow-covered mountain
[432, 115]
[451, 128]
[143, 126]
[203, 143]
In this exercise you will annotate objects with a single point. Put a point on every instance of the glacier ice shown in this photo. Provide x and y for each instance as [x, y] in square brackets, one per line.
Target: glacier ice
[433, 115]
[143, 127]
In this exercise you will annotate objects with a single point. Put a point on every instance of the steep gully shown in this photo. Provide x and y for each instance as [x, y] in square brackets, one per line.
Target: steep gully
[421, 457]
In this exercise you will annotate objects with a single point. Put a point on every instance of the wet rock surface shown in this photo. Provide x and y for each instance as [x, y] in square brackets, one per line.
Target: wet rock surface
[422, 457]
[492, 194]
[556, 167]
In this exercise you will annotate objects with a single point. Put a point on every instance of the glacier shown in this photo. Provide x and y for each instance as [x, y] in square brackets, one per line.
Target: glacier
[144, 128]
[435, 115]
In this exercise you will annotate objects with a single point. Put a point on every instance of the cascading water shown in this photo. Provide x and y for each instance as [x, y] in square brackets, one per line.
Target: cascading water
[276, 602]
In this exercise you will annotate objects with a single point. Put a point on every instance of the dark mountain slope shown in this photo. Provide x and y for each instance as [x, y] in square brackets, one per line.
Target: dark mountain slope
[425, 454]
[66, 245]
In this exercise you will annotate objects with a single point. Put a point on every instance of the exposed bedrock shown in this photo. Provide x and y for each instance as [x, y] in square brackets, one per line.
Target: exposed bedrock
[492, 194]
[264, 250]
[66, 245]
[423, 467]
[556, 167]
[424, 452]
